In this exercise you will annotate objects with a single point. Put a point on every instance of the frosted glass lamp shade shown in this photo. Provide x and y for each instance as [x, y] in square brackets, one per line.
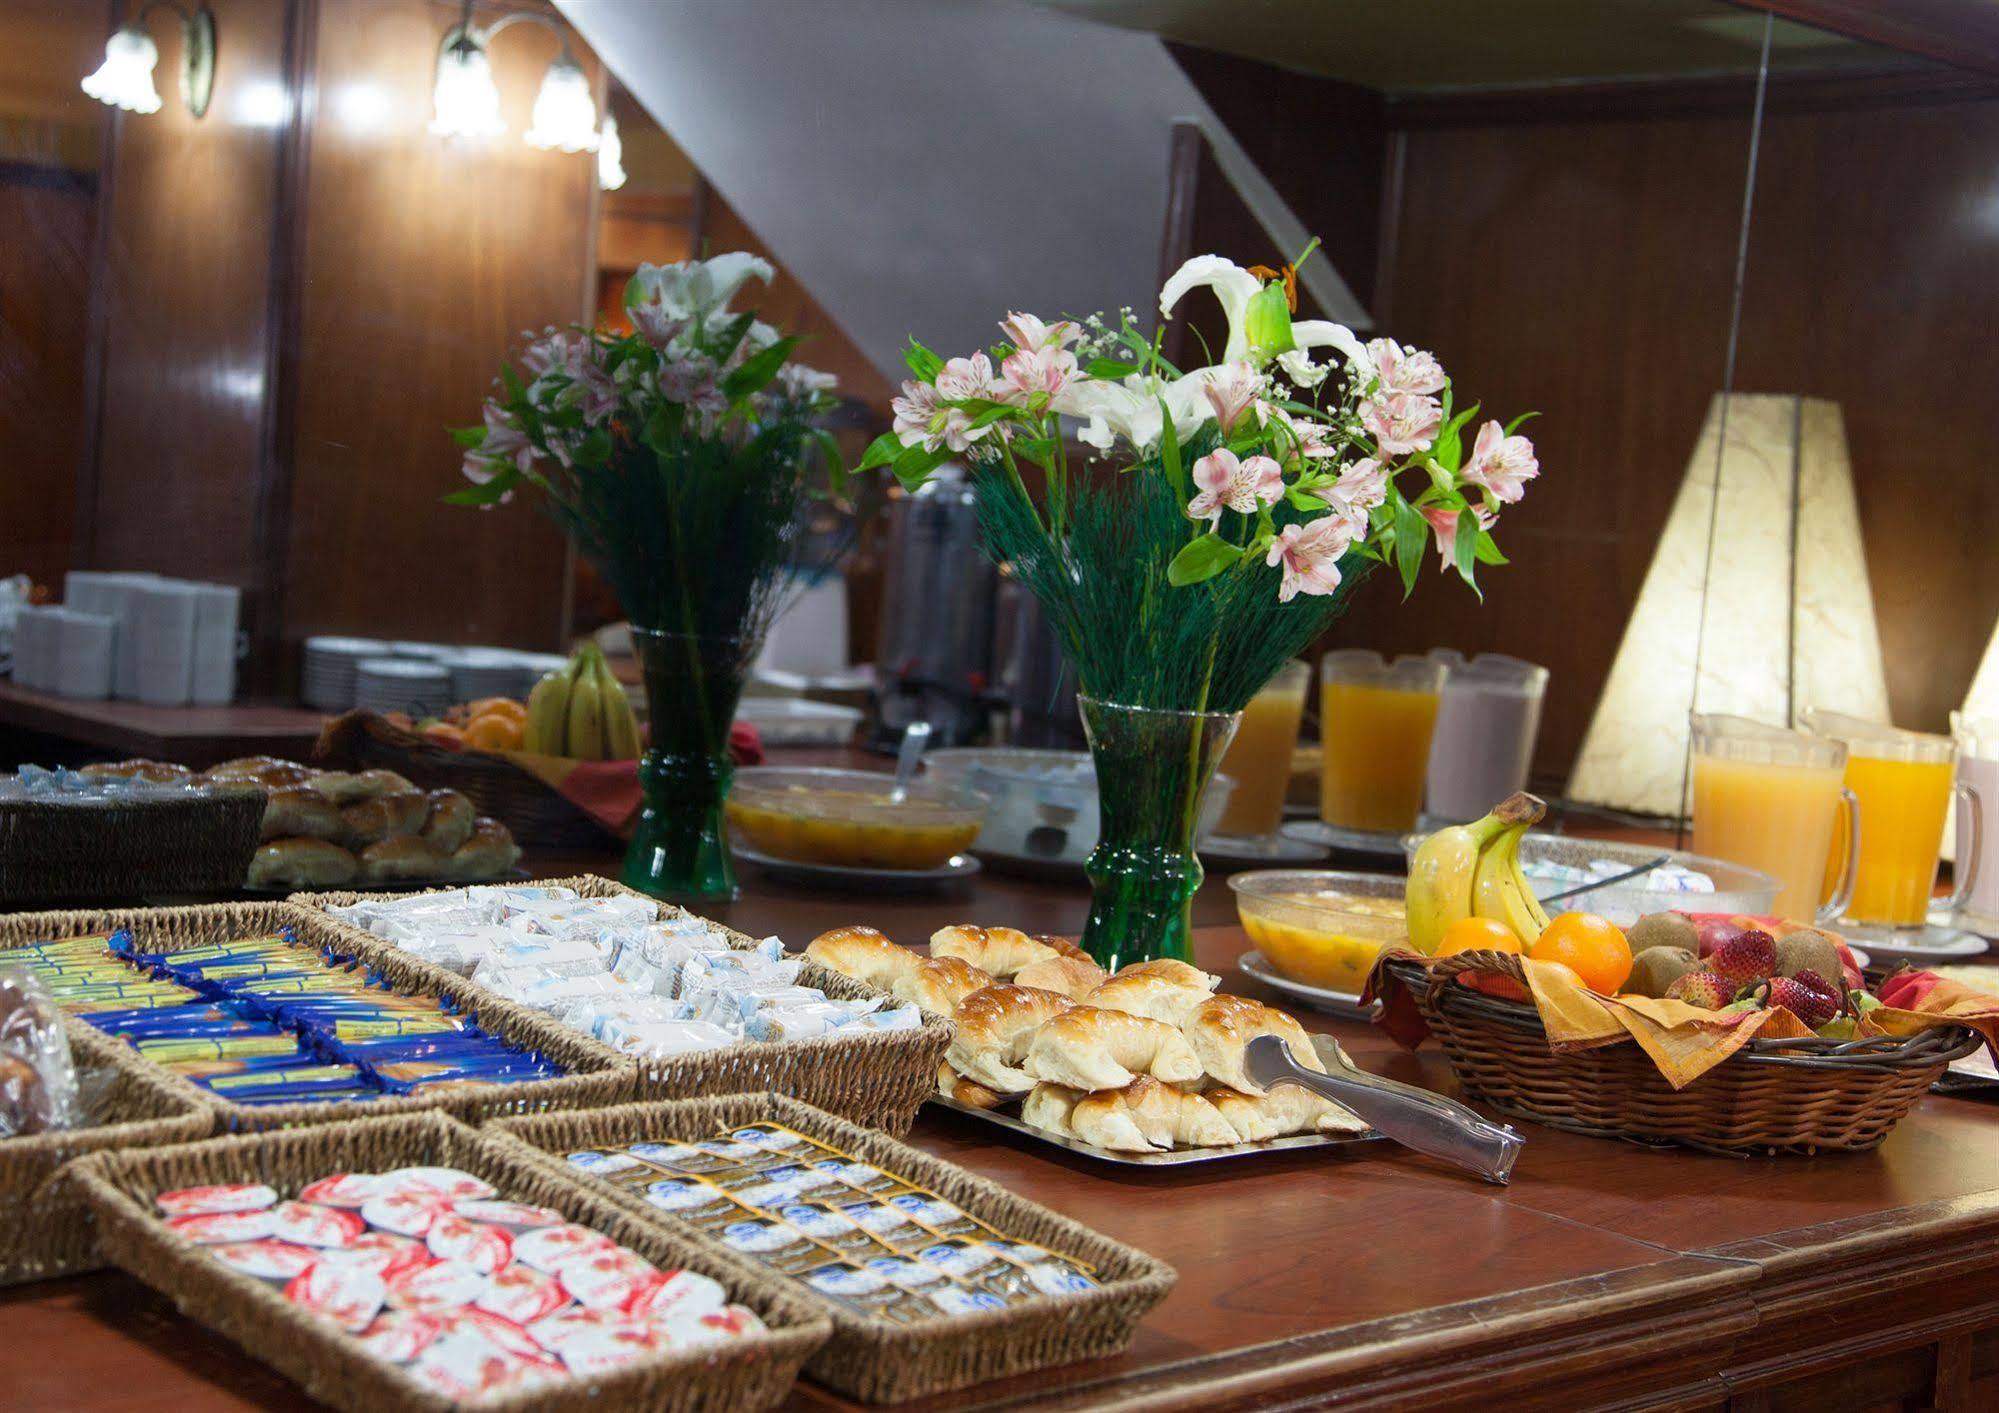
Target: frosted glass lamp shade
[610, 156]
[125, 78]
[465, 99]
[565, 114]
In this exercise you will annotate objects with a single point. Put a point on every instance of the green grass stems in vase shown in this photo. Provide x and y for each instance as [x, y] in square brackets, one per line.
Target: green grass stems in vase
[677, 457]
[1211, 538]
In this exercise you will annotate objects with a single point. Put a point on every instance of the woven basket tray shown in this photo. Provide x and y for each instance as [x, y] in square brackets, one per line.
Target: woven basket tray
[45, 1228]
[537, 815]
[1790, 1096]
[874, 1360]
[102, 850]
[749, 1373]
[876, 1078]
[594, 1073]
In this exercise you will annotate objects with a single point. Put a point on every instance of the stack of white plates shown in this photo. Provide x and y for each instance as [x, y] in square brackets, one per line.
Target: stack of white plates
[530, 668]
[330, 665]
[383, 684]
[482, 672]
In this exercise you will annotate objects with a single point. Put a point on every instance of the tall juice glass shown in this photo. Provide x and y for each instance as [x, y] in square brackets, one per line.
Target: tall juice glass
[1375, 720]
[1770, 799]
[1487, 719]
[1978, 819]
[1904, 781]
[1259, 759]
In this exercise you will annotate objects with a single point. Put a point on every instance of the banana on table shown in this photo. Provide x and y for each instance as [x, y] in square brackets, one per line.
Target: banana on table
[1473, 870]
[580, 710]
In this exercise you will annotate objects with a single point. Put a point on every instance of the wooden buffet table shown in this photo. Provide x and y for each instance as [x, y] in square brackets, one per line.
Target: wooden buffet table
[194, 736]
[1604, 1275]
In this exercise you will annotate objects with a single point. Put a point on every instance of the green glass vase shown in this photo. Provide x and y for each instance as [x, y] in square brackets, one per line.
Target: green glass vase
[680, 848]
[1152, 768]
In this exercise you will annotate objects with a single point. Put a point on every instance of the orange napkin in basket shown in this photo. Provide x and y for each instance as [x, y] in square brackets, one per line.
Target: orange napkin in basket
[608, 790]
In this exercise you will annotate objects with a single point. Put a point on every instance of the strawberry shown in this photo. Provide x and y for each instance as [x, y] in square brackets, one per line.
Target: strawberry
[1814, 1005]
[1705, 989]
[1748, 956]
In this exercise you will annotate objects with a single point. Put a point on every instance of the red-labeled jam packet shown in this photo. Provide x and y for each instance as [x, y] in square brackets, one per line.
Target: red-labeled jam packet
[222, 1197]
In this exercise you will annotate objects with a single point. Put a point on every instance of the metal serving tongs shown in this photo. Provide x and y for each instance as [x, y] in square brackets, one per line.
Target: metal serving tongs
[1415, 1118]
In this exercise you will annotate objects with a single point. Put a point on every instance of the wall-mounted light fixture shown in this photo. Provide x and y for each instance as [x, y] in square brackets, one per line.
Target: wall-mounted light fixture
[610, 156]
[125, 78]
[467, 101]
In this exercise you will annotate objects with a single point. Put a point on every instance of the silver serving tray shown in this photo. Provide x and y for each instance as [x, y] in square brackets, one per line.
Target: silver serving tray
[1179, 1157]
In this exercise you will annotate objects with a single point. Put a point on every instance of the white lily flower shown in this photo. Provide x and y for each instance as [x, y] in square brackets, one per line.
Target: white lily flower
[1233, 286]
[1130, 409]
[690, 288]
[1323, 333]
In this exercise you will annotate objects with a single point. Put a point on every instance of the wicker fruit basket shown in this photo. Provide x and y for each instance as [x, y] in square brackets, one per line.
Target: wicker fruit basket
[534, 812]
[1772, 1096]
[876, 1360]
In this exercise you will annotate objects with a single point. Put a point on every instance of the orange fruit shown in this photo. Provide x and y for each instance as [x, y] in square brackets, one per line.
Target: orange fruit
[494, 733]
[1477, 934]
[449, 737]
[497, 706]
[1592, 947]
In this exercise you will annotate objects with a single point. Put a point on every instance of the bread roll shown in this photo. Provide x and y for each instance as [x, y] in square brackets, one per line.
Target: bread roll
[955, 1086]
[991, 1029]
[301, 863]
[389, 816]
[863, 954]
[267, 771]
[1167, 1117]
[450, 822]
[408, 859]
[1051, 1107]
[1281, 1112]
[1088, 1048]
[1221, 1026]
[1002, 951]
[938, 984]
[158, 771]
[1148, 994]
[1178, 973]
[1074, 977]
[344, 789]
[292, 811]
[490, 852]
[1065, 947]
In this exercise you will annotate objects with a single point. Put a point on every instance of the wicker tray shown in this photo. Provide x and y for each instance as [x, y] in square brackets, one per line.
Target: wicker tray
[45, 1228]
[1771, 1096]
[82, 851]
[874, 1360]
[876, 1078]
[596, 1074]
[537, 815]
[750, 1373]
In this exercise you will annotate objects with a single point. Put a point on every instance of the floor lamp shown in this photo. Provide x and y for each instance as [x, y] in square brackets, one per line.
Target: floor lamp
[1756, 602]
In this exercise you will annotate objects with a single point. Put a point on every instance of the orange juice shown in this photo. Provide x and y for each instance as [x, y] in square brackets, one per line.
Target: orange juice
[1775, 817]
[1377, 745]
[1903, 803]
[1259, 759]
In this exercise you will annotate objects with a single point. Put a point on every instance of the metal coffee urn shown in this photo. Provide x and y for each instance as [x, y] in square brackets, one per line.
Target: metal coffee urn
[935, 662]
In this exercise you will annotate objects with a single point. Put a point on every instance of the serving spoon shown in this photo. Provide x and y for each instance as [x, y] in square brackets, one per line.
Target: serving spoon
[1415, 1118]
[915, 737]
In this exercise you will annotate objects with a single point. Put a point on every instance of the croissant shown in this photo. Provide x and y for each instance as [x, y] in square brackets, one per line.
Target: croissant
[1089, 1048]
[1221, 1026]
[1053, 1107]
[1176, 972]
[1074, 977]
[972, 1095]
[863, 954]
[1279, 1112]
[999, 950]
[991, 1030]
[938, 984]
[1148, 994]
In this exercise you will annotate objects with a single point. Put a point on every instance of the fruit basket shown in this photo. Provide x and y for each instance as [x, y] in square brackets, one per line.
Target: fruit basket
[1790, 1096]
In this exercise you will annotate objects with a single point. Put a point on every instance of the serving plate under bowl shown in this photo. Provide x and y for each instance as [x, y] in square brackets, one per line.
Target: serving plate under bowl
[851, 879]
[1344, 1004]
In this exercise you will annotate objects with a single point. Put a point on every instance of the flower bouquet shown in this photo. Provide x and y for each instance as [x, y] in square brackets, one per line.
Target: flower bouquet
[1241, 502]
[677, 457]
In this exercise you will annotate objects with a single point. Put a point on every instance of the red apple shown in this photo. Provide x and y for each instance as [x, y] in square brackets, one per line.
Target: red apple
[1713, 931]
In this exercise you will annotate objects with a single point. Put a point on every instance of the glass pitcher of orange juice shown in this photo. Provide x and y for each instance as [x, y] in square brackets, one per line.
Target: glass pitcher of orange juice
[1904, 782]
[1259, 759]
[1977, 819]
[1770, 798]
[1375, 719]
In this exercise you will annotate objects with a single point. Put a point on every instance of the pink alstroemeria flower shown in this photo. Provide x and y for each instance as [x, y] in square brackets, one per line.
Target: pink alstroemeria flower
[692, 381]
[1310, 554]
[914, 412]
[1239, 485]
[966, 377]
[1360, 488]
[1041, 370]
[1408, 370]
[1444, 522]
[1501, 464]
[1231, 391]
[504, 442]
[1402, 423]
[1029, 333]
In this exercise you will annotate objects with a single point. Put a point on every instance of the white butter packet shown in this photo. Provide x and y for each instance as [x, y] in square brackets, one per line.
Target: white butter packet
[659, 1039]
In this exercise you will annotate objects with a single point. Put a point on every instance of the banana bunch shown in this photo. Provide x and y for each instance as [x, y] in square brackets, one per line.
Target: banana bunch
[580, 710]
[1473, 870]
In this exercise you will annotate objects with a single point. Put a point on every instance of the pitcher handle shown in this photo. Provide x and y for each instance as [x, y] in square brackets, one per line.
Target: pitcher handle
[1970, 844]
[1835, 906]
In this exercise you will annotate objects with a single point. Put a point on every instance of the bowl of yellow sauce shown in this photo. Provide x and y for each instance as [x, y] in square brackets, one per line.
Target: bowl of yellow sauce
[846, 818]
[1321, 927]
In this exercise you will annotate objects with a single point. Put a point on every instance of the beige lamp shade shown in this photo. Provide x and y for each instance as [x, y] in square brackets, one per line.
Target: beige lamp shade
[1780, 614]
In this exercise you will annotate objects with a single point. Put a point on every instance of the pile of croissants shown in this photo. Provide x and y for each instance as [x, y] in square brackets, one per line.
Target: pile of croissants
[330, 828]
[1143, 1061]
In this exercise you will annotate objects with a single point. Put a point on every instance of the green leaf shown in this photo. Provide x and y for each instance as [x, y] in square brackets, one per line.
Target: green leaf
[922, 362]
[1200, 559]
[754, 373]
[1449, 450]
[1303, 500]
[914, 465]
[511, 381]
[1109, 368]
[721, 343]
[662, 427]
[1169, 450]
[1487, 551]
[882, 451]
[836, 466]
[635, 292]
[1515, 423]
[468, 438]
[1267, 322]
[595, 448]
[998, 412]
[1412, 533]
[1039, 450]
[488, 493]
[1465, 548]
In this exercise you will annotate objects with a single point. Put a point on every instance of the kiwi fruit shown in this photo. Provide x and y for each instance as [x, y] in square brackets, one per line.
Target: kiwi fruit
[1656, 968]
[1808, 950]
[1663, 930]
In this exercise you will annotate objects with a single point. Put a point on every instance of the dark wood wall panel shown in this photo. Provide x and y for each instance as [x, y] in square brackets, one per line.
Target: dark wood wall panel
[423, 261]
